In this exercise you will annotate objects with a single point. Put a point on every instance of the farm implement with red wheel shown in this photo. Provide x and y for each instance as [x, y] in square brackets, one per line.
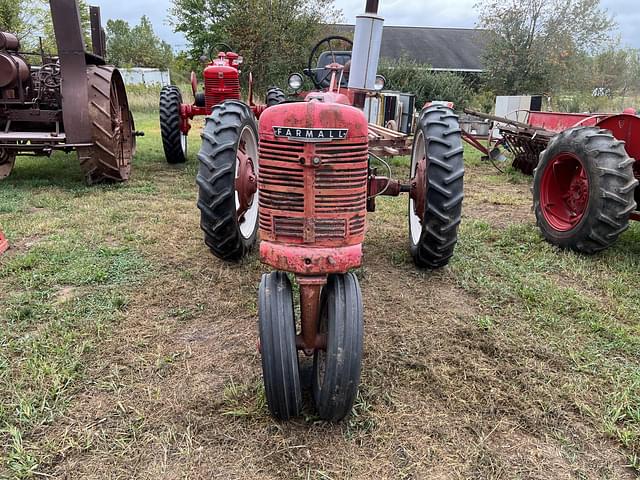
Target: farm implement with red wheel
[70, 101]
[586, 170]
[221, 83]
[304, 179]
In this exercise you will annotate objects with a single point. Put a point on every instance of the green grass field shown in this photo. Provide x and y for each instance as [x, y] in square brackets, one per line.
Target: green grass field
[128, 351]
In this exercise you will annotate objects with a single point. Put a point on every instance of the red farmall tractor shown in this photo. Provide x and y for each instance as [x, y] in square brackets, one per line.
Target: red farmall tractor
[69, 102]
[586, 170]
[221, 83]
[304, 179]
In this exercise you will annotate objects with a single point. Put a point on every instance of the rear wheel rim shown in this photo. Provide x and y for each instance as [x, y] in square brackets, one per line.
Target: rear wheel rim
[183, 143]
[246, 182]
[564, 192]
[418, 155]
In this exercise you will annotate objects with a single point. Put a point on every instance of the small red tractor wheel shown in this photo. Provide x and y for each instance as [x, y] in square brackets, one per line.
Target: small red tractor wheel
[173, 140]
[275, 96]
[437, 181]
[228, 180]
[583, 190]
[7, 161]
[336, 370]
[278, 346]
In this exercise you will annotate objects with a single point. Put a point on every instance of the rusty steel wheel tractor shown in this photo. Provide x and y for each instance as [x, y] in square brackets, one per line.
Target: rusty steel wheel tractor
[584, 190]
[228, 180]
[70, 102]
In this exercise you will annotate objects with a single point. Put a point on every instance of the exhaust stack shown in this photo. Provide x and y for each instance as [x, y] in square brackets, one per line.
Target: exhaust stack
[366, 48]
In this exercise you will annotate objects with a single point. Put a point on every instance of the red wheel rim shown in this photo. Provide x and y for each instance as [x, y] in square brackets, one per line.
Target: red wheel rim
[564, 192]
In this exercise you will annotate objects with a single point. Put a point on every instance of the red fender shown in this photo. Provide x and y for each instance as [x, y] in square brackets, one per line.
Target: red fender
[627, 128]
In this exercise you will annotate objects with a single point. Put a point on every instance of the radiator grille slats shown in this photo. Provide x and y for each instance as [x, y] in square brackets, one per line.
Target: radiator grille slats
[340, 191]
[217, 90]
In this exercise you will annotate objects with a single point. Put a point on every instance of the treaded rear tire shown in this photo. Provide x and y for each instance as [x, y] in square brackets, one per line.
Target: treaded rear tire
[445, 187]
[216, 180]
[275, 96]
[278, 346]
[170, 103]
[612, 185]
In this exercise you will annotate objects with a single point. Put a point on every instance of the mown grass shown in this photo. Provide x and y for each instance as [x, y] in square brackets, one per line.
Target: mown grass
[85, 262]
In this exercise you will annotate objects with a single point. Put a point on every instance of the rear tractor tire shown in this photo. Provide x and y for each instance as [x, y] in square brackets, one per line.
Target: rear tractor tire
[228, 180]
[583, 190]
[275, 96]
[174, 141]
[437, 172]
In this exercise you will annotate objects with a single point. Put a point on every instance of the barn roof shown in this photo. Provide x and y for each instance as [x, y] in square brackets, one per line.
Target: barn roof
[453, 49]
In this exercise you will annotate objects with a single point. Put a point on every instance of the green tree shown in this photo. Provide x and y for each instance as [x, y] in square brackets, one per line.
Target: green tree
[273, 36]
[21, 18]
[533, 45]
[137, 46]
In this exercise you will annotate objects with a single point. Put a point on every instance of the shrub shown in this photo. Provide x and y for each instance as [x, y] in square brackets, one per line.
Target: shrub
[411, 77]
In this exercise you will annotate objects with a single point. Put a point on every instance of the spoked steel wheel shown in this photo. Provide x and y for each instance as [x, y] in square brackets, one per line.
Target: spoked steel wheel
[336, 370]
[7, 161]
[278, 346]
[583, 189]
[112, 126]
[228, 180]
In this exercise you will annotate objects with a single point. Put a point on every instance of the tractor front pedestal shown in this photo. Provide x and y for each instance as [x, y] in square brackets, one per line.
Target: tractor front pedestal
[309, 340]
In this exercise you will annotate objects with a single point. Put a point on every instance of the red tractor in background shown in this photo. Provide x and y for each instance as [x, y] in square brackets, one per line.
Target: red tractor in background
[305, 180]
[586, 170]
[221, 82]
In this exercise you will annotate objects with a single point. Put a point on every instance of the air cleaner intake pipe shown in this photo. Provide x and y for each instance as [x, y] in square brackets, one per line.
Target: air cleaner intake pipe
[366, 48]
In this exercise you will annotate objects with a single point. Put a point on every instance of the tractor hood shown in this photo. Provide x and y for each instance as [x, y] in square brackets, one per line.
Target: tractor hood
[319, 120]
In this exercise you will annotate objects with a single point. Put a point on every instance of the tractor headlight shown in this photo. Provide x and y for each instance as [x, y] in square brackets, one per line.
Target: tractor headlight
[380, 82]
[295, 82]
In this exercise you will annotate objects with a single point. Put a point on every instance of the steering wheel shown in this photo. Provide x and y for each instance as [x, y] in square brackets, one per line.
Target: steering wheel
[226, 48]
[311, 69]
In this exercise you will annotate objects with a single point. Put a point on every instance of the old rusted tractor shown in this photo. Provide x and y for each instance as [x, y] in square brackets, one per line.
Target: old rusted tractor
[221, 83]
[70, 101]
[586, 170]
[304, 180]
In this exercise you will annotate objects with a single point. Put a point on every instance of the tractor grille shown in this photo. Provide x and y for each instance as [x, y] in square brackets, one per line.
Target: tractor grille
[303, 204]
[217, 90]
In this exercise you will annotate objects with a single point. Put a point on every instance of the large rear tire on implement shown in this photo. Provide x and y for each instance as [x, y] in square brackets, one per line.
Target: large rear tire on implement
[336, 370]
[228, 180]
[583, 190]
[112, 127]
[174, 141]
[7, 161]
[437, 172]
[278, 346]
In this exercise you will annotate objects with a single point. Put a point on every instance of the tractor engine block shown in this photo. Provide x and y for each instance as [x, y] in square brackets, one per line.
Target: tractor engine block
[313, 184]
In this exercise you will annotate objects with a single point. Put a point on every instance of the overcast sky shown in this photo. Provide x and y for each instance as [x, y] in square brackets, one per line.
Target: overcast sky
[429, 13]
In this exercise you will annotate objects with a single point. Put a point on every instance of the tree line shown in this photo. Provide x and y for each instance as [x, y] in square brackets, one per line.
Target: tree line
[532, 46]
